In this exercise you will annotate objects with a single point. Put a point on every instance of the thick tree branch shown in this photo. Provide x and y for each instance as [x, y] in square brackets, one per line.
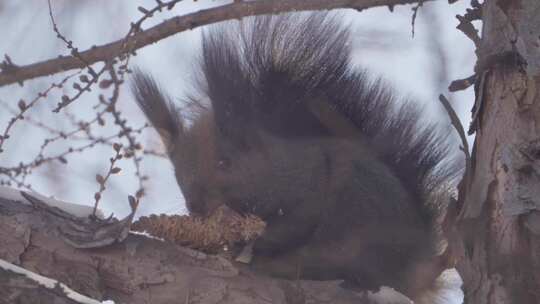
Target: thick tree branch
[236, 10]
[139, 269]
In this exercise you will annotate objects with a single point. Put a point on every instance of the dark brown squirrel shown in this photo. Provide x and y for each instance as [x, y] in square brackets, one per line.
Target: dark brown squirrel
[351, 186]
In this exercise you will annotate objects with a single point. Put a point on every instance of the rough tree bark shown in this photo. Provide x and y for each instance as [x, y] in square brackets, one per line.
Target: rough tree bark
[498, 229]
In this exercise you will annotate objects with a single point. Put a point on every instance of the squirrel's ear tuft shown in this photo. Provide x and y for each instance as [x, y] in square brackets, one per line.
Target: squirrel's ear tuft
[157, 107]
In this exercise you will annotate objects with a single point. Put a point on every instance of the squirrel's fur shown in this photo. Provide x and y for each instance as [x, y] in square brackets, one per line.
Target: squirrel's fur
[348, 181]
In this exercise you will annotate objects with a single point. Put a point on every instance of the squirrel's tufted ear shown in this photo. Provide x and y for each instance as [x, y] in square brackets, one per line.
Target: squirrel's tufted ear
[157, 107]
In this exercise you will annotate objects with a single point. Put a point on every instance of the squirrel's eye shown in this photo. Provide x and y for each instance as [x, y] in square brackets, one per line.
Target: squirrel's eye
[224, 163]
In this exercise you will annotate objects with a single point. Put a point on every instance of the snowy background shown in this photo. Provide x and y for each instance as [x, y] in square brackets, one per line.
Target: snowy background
[420, 68]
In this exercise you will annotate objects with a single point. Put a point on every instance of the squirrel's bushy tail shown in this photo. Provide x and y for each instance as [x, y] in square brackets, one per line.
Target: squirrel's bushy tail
[282, 64]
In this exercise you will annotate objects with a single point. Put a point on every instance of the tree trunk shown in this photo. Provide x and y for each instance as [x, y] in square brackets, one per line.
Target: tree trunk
[498, 230]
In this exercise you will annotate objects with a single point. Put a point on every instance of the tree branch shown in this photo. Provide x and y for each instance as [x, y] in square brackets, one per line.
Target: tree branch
[35, 259]
[236, 10]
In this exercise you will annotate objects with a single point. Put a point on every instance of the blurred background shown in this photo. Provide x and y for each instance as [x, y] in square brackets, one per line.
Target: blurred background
[419, 67]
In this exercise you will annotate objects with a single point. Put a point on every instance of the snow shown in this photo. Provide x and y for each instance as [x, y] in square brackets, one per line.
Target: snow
[51, 284]
[452, 286]
[146, 234]
[446, 290]
[73, 209]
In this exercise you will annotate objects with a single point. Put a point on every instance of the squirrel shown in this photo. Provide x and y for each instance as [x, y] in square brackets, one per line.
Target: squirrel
[350, 185]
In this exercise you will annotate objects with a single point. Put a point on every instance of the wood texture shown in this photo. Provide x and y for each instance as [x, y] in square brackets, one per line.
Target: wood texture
[497, 236]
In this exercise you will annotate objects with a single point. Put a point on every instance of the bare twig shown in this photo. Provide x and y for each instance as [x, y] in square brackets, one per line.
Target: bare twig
[462, 84]
[176, 25]
[23, 107]
[465, 24]
[134, 146]
[69, 43]
[454, 119]
[17, 174]
[415, 14]
[103, 180]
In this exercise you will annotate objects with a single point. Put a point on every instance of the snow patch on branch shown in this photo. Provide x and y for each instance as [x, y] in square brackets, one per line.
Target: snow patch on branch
[147, 235]
[50, 283]
[77, 210]
[446, 289]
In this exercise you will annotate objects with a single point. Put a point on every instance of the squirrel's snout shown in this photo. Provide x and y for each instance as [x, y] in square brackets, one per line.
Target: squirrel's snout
[200, 202]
